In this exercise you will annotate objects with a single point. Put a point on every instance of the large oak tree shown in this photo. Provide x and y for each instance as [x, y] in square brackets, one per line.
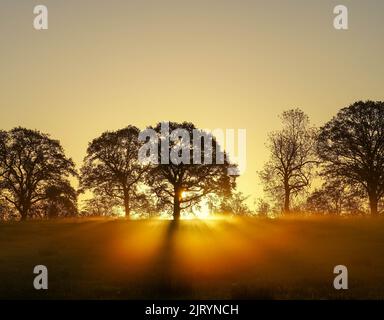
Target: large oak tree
[112, 168]
[183, 184]
[32, 165]
[352, 148]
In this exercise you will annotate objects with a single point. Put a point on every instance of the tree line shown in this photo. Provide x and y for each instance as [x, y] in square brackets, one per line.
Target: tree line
[344, 158]
[333, 169]
[35, 176]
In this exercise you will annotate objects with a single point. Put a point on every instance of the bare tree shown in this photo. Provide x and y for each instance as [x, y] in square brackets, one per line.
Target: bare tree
[292, 158]
[263, 208]
[112, 169]
[233, 204]
[335, 197]
[352, 148]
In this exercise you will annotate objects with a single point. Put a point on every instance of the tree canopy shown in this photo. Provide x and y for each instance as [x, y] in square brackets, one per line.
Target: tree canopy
[181, 185]
[32, 165]
[112, 169]
[352, 148]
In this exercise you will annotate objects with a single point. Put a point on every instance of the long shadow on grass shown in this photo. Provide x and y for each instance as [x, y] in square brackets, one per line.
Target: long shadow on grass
[164, 280]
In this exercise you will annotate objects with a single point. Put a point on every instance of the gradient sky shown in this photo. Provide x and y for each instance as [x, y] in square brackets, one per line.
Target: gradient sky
[218, 63]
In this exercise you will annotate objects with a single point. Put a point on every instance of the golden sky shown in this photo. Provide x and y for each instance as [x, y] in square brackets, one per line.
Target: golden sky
[102, 65]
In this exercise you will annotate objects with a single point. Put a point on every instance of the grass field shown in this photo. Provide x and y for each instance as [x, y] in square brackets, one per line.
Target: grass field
[207, 259]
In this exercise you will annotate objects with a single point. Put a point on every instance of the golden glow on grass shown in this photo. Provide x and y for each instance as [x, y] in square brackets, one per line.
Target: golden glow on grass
[222, 258]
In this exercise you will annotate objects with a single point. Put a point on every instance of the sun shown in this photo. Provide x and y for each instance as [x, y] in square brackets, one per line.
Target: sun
[120, 212]
[203, 212]
[200, 212]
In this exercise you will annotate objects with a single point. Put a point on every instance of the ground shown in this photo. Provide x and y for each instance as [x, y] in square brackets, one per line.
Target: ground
[229, 258]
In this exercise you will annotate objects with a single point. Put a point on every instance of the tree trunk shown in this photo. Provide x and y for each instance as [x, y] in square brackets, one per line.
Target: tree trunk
[24, 211]
[287, 196]
[127, 207]
[373, 204]
[176, 205]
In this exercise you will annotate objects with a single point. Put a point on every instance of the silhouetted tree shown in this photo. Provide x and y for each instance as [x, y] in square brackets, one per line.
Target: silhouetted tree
[61, 201]
[101, 206]
[112, 168]
[183, 184]
[233, 204]
[3, 204]
[236, 204]
[335, 197]
[352, 147]
[31, 163]
[292, 158]
[262, 208]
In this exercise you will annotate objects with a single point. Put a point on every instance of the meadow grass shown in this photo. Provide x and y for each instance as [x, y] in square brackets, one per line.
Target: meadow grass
[229, 258]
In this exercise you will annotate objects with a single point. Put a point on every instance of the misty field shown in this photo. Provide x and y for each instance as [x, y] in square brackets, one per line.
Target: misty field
[203, 259]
